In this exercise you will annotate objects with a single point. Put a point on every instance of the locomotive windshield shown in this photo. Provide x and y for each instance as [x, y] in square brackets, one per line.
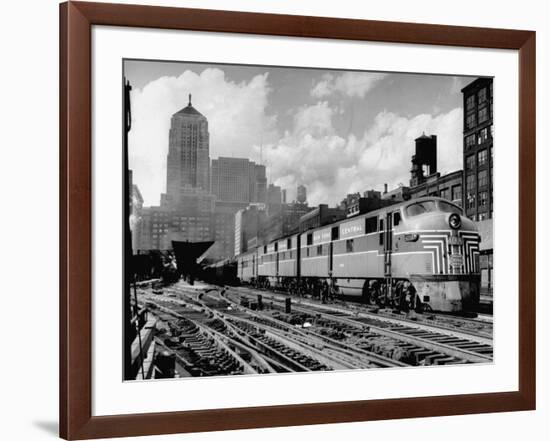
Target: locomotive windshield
[449, 208]
[423, 207]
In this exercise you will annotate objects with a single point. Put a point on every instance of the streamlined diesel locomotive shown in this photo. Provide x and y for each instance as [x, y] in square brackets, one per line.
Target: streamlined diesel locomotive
[425, 243]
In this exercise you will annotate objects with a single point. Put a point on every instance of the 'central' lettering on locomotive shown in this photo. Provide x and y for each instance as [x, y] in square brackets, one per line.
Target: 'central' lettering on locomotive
[351, 228]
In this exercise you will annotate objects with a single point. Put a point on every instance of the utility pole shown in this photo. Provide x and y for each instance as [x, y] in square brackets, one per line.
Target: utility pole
[128, 334]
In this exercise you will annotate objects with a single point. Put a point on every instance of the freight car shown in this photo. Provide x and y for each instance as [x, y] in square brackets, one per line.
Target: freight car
[422, 252]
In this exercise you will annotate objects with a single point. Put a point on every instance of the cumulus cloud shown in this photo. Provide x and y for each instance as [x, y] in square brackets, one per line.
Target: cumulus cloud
[236, 114]
[332, 165]
[352, 84]
[311, 151]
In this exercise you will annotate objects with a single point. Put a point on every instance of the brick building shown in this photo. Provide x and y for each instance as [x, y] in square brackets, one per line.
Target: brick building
[478, 149]
[448, 186]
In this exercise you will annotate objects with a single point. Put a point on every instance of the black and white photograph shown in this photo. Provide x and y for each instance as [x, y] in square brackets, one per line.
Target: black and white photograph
[283, 219]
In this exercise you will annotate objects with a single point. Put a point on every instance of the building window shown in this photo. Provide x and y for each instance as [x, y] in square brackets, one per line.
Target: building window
[470, 121]
[470, 102]
[482, 178]
[349, 246]
[470, 162]
[483, 135]
[470, 183]
[445, 193]
[319, 250]
[482, 157]
[482, 197]
[482, 95]
[483, 115]
[470, 201]
[471, 140]
[456, 192]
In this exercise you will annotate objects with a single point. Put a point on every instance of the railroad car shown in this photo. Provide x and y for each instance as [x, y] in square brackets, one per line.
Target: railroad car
[223, 272]
[247, 267]
[424, 246]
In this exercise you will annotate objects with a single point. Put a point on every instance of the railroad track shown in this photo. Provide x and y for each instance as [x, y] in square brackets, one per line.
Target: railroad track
[318, 336]
[480, 329]
[198, 348]
[333, 354]
[277, 348]
[472, 327]
[330, 353]
[456, 345]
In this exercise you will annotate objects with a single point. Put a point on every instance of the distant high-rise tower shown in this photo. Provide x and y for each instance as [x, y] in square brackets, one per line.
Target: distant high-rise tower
[301, 194]
[260, 184]
[238, 180]
[188, 162]
[424, 160]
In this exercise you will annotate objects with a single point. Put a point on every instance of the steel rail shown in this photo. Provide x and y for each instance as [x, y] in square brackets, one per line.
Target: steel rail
[443, 348]
[246, 367]
[353, 307]
[379, 360]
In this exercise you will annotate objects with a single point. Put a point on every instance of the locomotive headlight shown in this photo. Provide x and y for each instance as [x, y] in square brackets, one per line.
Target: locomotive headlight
[411, 237]
[454, 221]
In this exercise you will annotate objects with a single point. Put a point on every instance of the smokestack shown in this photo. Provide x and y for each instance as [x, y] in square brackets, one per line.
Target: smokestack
[385, 188]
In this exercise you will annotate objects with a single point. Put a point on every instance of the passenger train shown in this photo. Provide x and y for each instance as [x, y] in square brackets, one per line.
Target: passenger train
[425, 244]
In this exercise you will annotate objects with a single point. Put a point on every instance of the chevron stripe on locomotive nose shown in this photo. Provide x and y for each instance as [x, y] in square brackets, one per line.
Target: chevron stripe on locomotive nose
[471, 250]
[438, 245]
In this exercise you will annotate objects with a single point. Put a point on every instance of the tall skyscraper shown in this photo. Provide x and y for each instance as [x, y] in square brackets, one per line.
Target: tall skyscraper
[301, 194]
[186, 210]
[260, 184]
[274, 198]
[478, 149]
[238, 180]
[188, 164]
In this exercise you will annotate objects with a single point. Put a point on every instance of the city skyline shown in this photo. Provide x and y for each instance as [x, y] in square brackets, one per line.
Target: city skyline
[225, 218]
[336, 132]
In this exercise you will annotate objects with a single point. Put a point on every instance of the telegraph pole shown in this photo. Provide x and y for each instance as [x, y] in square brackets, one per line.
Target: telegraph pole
[127, 240]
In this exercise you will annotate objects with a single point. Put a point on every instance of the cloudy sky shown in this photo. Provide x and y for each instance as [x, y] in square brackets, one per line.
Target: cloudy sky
[336, 132]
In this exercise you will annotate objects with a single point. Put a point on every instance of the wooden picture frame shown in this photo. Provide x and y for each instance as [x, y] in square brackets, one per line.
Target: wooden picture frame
[76, 20]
